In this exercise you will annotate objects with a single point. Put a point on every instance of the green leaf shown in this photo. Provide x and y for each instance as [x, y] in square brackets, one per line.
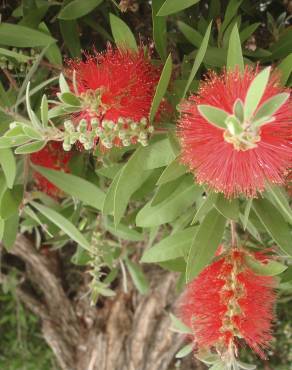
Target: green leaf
[123, 231]
[186, 350]
[178, 326]
[171, 247]
[230, 13]
[248, 31]
[156, 155]
[285, 67]
[213, 115]
[10, 231]
[205, 207]
[29, 148]
[32, 133]
[20, 36]
[270, 268]
[171, 7]
[159, 29]
[169, 209]
[270, 106]
[279, 197]
[173, 171]
[32, 116]
[199, 58]
[64, 87]
[2, 224]
[274, 223]
[70, 34]
[161, 87]
[21, 58]
[62, 222]
[122, 34]
[238, 110]
[246, 213]
[70, 99]
[255, 92]
[8, 164]
[234, 55]
[138, 277]
[76, 9]
[228, 208]
[192, 35]
[44, 111]
[10, 202]
[205, 243]
[77, 187]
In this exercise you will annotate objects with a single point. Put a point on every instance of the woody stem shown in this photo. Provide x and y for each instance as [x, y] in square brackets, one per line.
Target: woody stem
[233, 233]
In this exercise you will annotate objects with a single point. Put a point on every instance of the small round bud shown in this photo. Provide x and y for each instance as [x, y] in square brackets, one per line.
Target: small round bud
[82, 127]
[143, 121]
[68, 125]
[151, 129]
[106, 143]
[143, 135]
[121, 121]
[94, 122]
[13, 125]
[122, 134]
[88, 145]
[83, 139]
[104, 123]
[126, 142]
[133, 126]
[98, 131]
[10, 66]
[144, 142]
[66, 144]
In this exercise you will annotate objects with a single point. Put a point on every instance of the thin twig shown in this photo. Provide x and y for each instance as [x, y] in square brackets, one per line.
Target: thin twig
[10, 78]
[233, 234]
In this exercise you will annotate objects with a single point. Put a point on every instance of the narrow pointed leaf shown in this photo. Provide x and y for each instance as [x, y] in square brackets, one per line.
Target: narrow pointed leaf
[234, 54]
[255, 92]
[205, 243]
[213, 115]
[271, 106]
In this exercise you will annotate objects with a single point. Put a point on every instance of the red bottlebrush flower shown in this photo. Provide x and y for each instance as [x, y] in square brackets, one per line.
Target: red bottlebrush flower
[51, 156]
[228, 302]
[216, 159]
[116, 89]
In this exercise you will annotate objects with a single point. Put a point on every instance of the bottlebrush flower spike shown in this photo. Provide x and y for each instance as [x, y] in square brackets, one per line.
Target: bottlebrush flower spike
[228, 303]
[51, 156]
[242, 155]
[116, 89]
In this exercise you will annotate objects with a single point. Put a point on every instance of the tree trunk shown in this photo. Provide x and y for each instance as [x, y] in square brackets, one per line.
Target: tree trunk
[130, 331]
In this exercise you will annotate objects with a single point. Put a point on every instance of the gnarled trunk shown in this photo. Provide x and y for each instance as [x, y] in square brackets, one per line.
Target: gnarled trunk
[130, 331]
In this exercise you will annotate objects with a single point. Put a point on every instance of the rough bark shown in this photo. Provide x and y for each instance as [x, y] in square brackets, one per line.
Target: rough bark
[130, 332]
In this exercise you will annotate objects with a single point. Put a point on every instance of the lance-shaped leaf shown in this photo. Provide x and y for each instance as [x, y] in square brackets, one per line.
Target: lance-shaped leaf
[255, 92]
[205, 243]
[271, 268]
[271, 106]
[213, 115]
[234, 54]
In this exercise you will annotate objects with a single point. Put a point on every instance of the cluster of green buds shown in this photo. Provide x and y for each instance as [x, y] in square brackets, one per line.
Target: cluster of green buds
[96, 264]
[81, 132]
[124, 131]
[16, 59]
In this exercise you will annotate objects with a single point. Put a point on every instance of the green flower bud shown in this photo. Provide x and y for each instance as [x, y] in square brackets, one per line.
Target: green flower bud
[143, 135]
[122, 134]
[94, 122]
[151, 129]
[126, 142]
[82, 127]
[143, 121]
[83, 139]
[133, 126]
[66, 144]
[68, 125]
